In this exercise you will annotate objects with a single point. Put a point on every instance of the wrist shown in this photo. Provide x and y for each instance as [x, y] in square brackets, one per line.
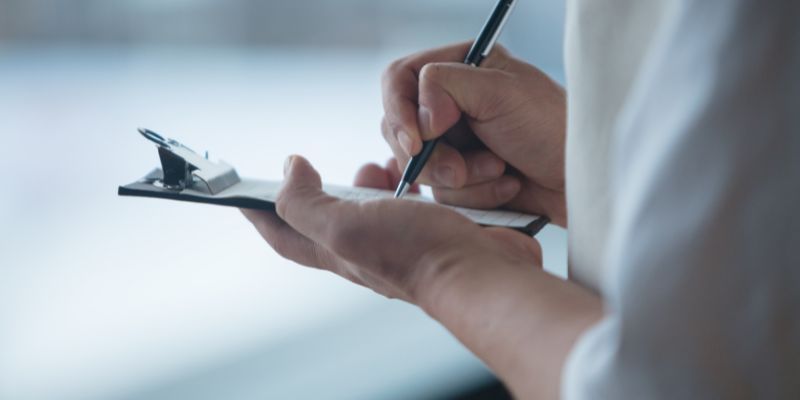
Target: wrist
[442, 268]
[437, 270]
[454, 272]
[520, 320]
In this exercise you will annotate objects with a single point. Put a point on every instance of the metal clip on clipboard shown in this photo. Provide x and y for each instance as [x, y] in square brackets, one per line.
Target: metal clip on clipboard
[183, 168]
[187, 176]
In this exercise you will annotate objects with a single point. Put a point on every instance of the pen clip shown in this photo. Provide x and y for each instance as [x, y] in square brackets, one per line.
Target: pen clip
[184, 169]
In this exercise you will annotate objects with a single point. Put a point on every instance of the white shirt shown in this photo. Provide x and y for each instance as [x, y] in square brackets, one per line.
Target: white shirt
[683, 187]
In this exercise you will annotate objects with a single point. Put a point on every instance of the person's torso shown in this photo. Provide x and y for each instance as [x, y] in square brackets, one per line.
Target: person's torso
[605, 44]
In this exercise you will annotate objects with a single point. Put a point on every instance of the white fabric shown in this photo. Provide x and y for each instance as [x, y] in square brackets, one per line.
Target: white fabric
[605, 43]
[699, 162]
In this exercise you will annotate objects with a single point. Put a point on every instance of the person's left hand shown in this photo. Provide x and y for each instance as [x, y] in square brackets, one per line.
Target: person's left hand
[399, 248]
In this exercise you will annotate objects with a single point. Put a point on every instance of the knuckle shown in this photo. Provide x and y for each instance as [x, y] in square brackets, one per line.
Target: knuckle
[394, 69]
[440, 196]
[425, 177]
[429, 72]
[445, 196]
[387, 131]
[502, 98]
[389, 134]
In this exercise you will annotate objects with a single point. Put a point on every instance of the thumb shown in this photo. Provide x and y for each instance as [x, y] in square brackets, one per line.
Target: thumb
[299, 177]
[446, 90]
[333, 223]
[302, 203]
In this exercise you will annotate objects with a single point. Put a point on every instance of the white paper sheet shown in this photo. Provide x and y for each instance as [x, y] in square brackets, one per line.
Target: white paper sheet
[268, 190]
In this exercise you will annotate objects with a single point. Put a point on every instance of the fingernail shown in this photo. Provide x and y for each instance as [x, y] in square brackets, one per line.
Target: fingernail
[287, 165]
[405, 141]
[445, 175]
[506, 189]
[424, 120]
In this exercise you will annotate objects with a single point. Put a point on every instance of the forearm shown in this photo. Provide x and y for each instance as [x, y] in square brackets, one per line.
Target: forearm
[518, 319]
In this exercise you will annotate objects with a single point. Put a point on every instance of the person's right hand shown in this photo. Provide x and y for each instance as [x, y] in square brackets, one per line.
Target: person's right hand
[508, 119]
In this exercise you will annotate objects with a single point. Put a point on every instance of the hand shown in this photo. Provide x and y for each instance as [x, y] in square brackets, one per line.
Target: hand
[508, 119]
[399, 248]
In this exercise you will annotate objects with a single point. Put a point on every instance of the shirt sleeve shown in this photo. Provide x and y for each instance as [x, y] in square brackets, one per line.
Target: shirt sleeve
[703, 274]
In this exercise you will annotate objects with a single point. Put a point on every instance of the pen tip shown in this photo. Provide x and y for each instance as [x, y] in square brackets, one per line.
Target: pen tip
[402, 190]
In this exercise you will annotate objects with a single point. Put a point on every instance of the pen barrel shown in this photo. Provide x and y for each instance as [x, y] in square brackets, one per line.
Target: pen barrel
[417, 163]
[490, 33]
[477, 53]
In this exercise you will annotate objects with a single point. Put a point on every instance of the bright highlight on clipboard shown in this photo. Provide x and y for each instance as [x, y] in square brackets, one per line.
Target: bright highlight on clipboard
[187, 176]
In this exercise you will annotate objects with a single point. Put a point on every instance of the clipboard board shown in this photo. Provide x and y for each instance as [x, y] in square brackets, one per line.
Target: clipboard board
[185, 175]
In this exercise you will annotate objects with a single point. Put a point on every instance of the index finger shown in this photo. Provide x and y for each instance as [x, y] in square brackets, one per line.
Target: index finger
[400, 85]
[401, 89]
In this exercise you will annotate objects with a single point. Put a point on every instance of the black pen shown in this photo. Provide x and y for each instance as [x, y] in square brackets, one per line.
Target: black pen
[480, 50]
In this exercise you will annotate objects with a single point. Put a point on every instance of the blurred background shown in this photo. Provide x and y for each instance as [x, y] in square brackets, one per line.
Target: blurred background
[104, 297]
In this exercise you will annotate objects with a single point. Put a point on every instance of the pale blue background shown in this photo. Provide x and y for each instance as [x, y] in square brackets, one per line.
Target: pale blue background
[104, 297]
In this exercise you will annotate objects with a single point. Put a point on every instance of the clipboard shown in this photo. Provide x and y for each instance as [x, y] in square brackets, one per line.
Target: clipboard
[185, 175]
